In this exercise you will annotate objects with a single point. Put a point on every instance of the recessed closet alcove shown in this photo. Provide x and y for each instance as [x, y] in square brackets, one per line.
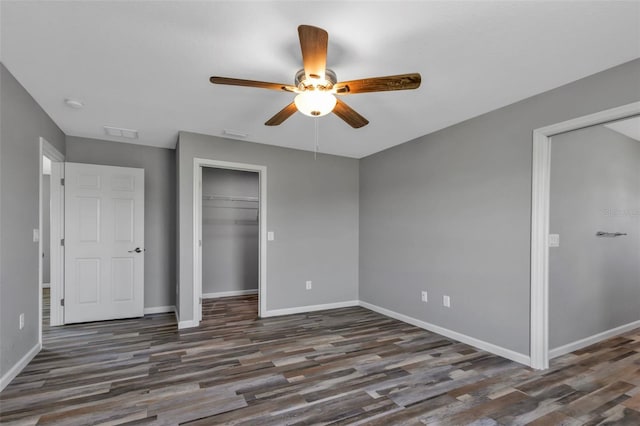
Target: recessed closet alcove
[230, 232]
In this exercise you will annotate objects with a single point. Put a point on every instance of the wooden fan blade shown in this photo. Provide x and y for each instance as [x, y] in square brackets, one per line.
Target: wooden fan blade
[284, 113]
[349, 115]
[379, 84]
[252, 83]
[313, 42]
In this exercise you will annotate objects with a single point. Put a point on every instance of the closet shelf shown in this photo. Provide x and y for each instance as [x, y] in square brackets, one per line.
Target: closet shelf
[230, 207]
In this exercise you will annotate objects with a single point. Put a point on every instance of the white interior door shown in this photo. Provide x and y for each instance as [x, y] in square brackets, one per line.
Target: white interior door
[104, 242]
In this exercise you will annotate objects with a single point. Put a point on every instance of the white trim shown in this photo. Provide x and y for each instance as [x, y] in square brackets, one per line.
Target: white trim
[46, 285]
[187, 324]
[57, 251]
[310, 308]
[540, 188]
[159, 310]
[40, 223]
[51, 152]
[480, 344]
[540, 179]
[19, 366]
[56, 254]
[198, 164]
[219, 294]
[197, 243]
[587, 341]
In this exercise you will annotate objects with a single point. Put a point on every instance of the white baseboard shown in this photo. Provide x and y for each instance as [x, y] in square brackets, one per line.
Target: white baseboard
[46, 285]
[159, 310]
[19, 366]
[310, 308]
[228, 293]
[480, 344]
[185, 324]
[188, 324]
[583, 343]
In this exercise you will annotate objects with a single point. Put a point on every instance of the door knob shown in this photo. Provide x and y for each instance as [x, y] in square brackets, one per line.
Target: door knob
[136, 250]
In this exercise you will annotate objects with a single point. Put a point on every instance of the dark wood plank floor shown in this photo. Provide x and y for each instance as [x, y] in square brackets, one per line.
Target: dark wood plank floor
[344, 366]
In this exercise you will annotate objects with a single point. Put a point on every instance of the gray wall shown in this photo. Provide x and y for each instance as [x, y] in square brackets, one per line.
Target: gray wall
[159, 213]
[229, 231]
[45, 234]
[312, 206]
[450, 213]
[23, 123]
[595, 186]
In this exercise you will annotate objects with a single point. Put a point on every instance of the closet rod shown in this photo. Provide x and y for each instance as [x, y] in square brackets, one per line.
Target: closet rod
[230, 198]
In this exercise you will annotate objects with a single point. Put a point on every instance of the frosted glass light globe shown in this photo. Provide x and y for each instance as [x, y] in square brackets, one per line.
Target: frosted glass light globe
[315, 103]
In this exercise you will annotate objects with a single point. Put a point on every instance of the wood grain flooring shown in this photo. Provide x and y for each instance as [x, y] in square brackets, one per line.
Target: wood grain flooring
[344, 366]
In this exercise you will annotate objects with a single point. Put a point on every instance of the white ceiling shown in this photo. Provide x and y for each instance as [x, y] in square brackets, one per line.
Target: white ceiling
[629, 127]
[145, 64]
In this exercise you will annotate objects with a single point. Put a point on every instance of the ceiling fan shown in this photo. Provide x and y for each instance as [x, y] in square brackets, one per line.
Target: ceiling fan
[316, 85]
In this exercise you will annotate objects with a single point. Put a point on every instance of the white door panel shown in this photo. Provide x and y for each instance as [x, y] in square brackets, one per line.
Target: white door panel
[104, 224]
[88, 219]
[123, 273]
[88, 274]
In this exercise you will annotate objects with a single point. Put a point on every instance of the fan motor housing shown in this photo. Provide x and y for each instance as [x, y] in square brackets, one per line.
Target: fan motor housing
[303, 83]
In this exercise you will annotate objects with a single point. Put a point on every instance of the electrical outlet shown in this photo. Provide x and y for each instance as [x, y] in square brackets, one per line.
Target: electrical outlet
[446, 301]
[424, 298]
[271, 236]
[21, 320]
[309, 285]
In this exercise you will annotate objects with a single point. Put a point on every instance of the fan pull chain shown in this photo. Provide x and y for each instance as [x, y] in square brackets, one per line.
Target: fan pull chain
[317, 145]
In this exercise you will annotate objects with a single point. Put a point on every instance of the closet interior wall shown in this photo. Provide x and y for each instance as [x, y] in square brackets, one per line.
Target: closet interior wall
[230, 232]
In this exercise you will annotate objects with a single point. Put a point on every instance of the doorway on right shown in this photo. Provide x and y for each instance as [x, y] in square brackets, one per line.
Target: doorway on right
[594, 235]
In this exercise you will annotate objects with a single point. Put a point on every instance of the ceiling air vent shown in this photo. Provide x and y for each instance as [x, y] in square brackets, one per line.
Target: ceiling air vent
[234, 133]
[120, 132]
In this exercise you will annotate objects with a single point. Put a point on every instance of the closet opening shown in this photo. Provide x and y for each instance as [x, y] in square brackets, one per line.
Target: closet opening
[231, 248]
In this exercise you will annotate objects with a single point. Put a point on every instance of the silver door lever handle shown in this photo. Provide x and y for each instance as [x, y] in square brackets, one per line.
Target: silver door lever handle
[610, 234]
[136, 250]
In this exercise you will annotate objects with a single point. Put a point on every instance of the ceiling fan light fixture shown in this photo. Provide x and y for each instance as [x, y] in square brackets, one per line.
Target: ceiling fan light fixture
[315, 103]
[316, 84]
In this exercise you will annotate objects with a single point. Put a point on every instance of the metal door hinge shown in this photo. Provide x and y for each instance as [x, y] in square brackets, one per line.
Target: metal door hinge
[62, 302]
[62, 242]
[62, 181]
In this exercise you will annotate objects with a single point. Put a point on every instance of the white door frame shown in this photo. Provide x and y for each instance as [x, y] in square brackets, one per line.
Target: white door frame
[198, 164]
[540, 189]
[56, 233]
